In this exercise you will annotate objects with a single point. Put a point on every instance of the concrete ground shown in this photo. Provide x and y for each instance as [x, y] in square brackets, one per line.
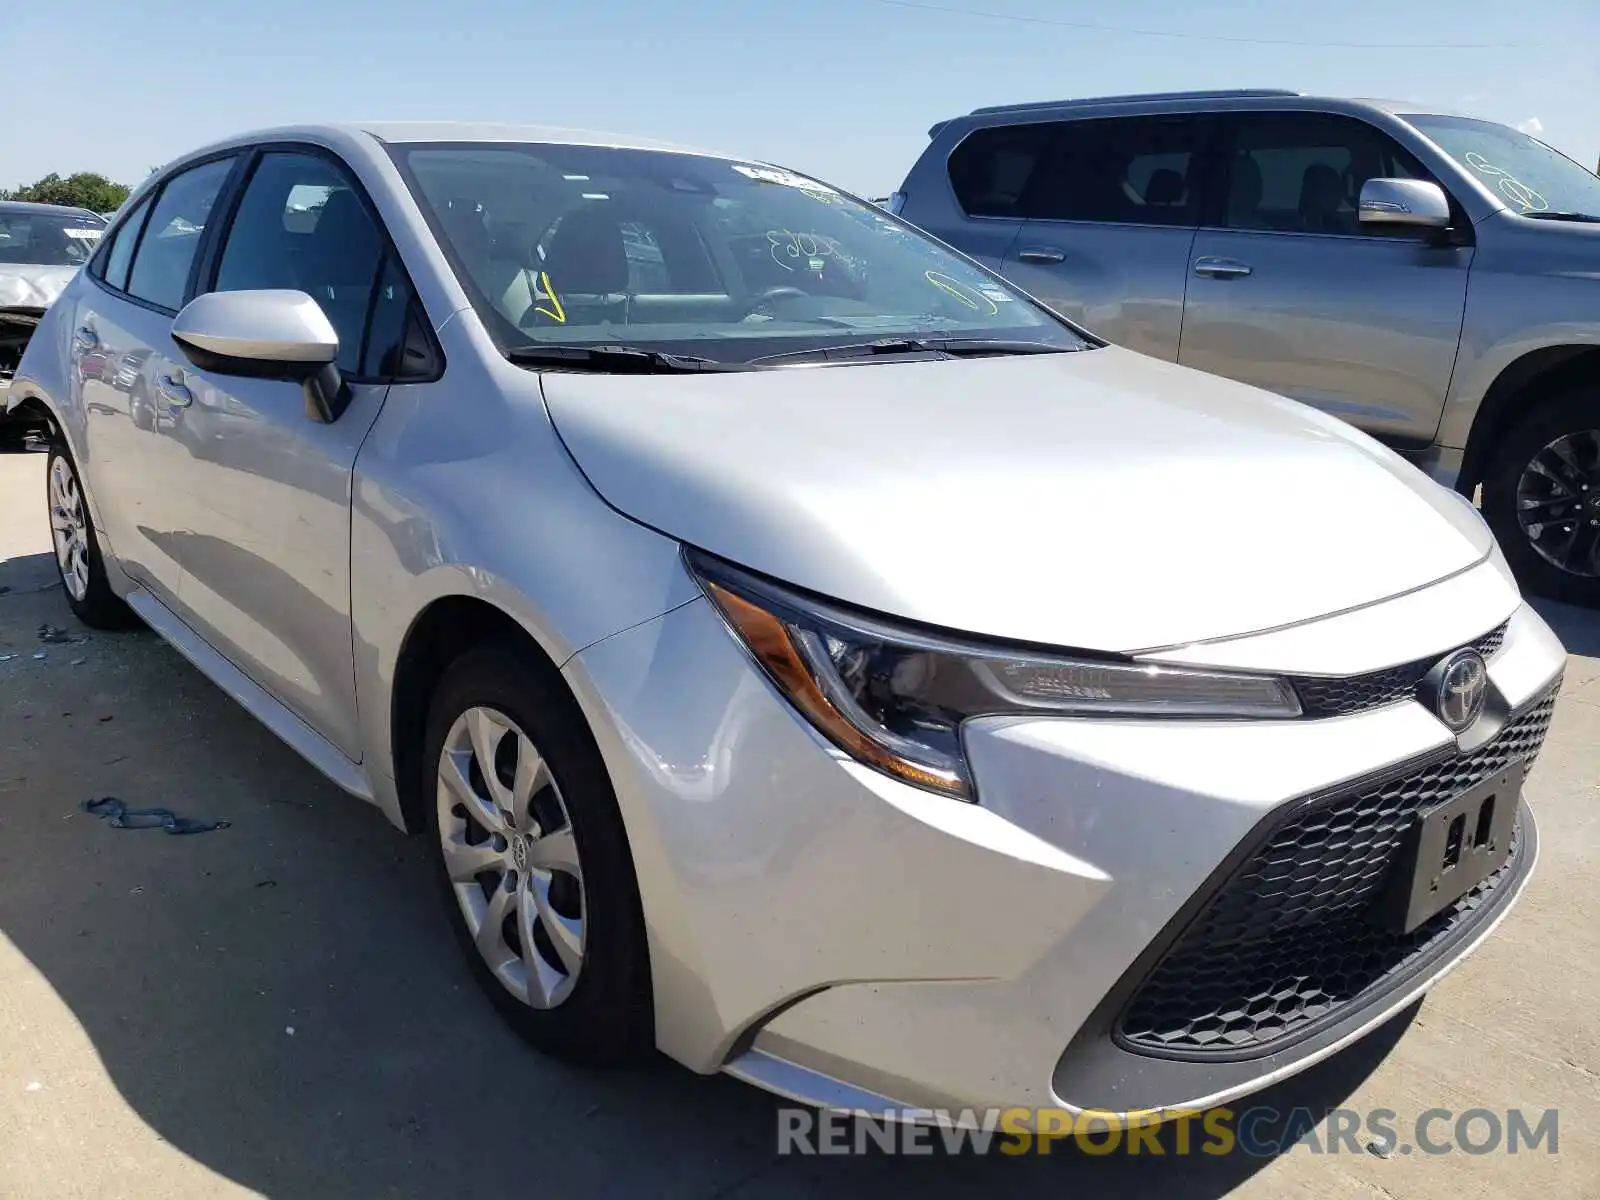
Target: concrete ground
[277, 1008]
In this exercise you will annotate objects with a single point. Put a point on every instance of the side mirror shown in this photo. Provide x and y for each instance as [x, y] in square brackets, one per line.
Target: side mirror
[1413, 202]
[266, 335]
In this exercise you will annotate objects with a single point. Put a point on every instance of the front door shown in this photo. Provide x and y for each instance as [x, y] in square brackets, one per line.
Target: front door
[1287, 291]
[266, 569]
[1112, 212]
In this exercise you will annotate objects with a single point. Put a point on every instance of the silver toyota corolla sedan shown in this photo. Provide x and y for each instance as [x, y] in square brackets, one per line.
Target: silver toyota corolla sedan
[803, 652]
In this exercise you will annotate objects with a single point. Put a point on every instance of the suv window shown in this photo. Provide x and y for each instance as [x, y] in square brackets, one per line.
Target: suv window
[160, 274]
[990, 169]
[301, 225]
[1136, 170]
[1302, 172]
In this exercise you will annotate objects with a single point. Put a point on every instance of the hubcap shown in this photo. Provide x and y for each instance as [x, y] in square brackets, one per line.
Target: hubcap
[1558, 503]
[511, 857]
[69, 529]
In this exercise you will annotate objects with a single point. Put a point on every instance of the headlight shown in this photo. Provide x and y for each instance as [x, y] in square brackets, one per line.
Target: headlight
[894, 698]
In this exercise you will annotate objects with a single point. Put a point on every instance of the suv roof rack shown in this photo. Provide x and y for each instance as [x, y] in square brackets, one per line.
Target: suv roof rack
[1219, 94]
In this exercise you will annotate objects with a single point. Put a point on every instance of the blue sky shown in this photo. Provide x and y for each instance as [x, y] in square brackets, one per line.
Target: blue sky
[841, 88]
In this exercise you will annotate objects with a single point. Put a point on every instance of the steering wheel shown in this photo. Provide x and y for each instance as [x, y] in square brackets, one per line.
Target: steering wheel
[762, 299]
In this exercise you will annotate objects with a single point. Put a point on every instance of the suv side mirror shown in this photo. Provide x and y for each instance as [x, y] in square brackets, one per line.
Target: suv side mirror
[267, 334]
[1414, 202]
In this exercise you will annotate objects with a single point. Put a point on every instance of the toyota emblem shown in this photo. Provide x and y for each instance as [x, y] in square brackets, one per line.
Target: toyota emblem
[1462, 688]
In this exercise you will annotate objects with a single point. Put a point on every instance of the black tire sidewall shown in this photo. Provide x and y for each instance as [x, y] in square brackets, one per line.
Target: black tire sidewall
[1563, 414]
[100, 608]
[607, 1018]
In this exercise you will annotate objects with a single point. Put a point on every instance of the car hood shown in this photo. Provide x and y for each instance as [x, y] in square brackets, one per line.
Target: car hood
[28, 286]
[1097, 500]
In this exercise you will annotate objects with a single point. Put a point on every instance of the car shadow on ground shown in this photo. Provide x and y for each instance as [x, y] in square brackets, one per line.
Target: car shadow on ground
[281, 1000]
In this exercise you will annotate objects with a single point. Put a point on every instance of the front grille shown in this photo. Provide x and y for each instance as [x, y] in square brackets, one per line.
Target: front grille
[1294, 935]
[1357, 693]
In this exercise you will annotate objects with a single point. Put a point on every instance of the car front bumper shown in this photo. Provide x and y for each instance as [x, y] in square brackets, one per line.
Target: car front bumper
[844, 939]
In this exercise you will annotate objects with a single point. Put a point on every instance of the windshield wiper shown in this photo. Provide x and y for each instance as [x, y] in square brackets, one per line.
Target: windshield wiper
[619, 360]
[955, 347]
[1586, 218]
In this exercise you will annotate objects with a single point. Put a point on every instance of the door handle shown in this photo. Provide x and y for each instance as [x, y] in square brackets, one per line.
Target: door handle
[1041, 254]
[173, 392]
[84, 338]
[1221, 268]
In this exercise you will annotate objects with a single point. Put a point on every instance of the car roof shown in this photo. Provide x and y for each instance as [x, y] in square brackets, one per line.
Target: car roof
[1176, 102]
[401, 132]
[57, 210]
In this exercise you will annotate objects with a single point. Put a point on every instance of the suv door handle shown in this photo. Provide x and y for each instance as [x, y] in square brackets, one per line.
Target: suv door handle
[84, 338]
[1221, 268]
[173, 392]
[1041, 254]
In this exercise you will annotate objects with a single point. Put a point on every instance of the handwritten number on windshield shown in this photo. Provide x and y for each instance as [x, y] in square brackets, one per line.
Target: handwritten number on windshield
[1512, 188]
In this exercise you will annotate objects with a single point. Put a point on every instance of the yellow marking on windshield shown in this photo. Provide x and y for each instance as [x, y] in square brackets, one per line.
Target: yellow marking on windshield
[968, 297]
[560, 313]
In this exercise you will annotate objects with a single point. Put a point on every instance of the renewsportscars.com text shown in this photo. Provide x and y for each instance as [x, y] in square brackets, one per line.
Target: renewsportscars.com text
[1260, 1131]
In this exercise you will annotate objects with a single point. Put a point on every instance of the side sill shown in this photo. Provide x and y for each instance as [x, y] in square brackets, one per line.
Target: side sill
[250, 696]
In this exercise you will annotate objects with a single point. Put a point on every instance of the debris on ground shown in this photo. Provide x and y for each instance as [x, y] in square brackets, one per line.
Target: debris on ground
[119, 816]
[54, 635]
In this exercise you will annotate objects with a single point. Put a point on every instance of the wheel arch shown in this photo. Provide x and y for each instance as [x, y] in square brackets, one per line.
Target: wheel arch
[1548, 370]
[441, 632]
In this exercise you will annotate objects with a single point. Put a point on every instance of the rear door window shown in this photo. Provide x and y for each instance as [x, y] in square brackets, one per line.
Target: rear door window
[160, 274]
[991, 169]
[118, 256]
[1134, 170]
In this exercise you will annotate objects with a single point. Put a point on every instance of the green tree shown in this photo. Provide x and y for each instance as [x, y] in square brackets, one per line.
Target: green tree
[86, 189]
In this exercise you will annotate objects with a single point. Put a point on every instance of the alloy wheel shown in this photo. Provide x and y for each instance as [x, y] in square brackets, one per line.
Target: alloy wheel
[70, 528]
[512, 860]
[1558, 503]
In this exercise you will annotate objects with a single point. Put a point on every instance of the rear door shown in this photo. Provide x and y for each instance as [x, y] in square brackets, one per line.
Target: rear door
[1289, 292]
[989, 174]
[266, 574]
[1111, 215]
[136, 460]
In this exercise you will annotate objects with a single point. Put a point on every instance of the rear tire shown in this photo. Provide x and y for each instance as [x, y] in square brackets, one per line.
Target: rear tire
[1541, 496]
[79, 563]
[582, 990]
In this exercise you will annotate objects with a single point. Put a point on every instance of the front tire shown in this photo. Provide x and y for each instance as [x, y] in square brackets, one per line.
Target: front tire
[532, 857]
[78, 559]
[1541, 496]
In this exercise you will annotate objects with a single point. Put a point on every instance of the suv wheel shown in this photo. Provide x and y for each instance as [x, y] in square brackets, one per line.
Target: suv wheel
[82, 570]
[533, 859]
[1541, 495]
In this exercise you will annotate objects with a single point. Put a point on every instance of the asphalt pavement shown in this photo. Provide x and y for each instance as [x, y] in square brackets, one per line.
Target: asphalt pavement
[277, 1008]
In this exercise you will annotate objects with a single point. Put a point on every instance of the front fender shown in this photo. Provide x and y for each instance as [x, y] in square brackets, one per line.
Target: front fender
[463, 489]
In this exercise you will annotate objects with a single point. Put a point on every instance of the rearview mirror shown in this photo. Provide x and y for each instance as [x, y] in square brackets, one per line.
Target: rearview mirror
[1414, 202]
[268, 334]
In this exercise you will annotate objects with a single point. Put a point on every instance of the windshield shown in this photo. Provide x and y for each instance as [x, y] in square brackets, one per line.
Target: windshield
[44, 239]
[693, 255]
[1526, 174]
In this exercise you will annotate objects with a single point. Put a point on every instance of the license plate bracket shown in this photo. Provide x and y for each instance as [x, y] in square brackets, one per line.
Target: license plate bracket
[1453, 847]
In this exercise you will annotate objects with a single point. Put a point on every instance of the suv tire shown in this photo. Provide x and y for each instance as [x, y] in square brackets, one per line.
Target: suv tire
[1551, 457]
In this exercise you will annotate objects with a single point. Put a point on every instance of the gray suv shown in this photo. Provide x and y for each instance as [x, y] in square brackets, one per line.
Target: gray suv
[1433, 279]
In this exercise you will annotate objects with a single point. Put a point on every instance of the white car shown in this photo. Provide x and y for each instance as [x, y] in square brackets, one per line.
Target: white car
[803, 652]
[41, 247]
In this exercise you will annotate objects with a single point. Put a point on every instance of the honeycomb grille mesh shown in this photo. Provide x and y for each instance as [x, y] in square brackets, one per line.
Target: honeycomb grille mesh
[1357, 693]
[1292, 936]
